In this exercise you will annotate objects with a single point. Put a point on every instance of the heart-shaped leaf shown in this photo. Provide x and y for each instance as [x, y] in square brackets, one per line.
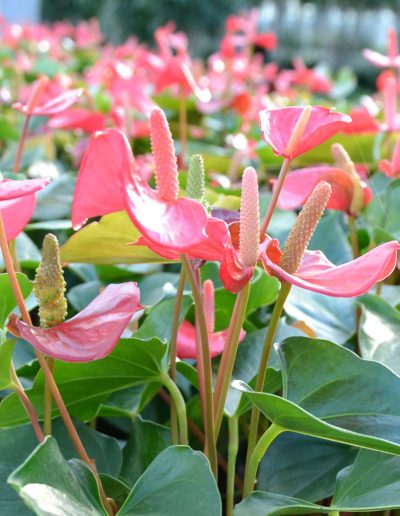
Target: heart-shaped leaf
[85, 386]
[177, 481]
[331, 393]
[379, 331]
[106, 242]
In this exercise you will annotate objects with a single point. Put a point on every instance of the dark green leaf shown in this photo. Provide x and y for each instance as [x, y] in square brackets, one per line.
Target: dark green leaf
[177, 481]
[7, 300]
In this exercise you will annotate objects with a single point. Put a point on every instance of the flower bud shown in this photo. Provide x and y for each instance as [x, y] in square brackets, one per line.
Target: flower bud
[343, 161]
[304, 227]
[195, 186]
[249, 234]
[162, 146]
[49, 285]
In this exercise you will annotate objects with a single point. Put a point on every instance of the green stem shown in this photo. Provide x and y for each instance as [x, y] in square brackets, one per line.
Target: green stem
[211, 449]
[228, 356]
[275, 195]
[21, 143]
[258, 453]
[47, 401]
[233, 447]
[353, 237]
[262, 370]
[173, 348]
[179, 403]
[335, 513]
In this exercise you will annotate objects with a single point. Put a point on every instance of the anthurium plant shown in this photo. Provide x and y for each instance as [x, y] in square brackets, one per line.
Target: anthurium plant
[199, 295]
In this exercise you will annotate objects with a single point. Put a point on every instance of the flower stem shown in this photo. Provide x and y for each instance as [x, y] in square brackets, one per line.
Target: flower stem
[262, 369]
[44, 366]
[258, 453]
[206, 372]
[47, 401]
[275, 195]
[353, 237]
[172, 349]
[179, 403]
[27, 404]
[233, 447]
[229, 355]
[21, 144]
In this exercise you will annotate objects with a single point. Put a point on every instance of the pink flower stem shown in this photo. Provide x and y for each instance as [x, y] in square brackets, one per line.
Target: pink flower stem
[173, 348]
[27, 404]
[182, 128]
[228, 356]
[275, 195]
[262, 370]
[44, 366]
[21, 144]
[206, 372]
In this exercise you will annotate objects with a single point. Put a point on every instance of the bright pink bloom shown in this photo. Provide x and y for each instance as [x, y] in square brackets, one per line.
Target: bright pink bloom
[361, 122]
[391, 118]
[392, 60]
[88, 121]
[51, 107]
[109, 181]
[392, 168]
[299, 185]
[18, 202]
[277, 125]
[186, 340]
[304, 77]
[318, 274]
[94, 332]
[186, 343]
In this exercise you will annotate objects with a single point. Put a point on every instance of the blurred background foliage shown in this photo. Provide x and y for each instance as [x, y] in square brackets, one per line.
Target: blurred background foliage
[331, 33]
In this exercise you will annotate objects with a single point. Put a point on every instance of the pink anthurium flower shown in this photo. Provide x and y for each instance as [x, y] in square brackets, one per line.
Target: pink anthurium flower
[392, 60]
[277, 126]
[18, 202]
[94, 332]
[88, 121]
[300, 183]
[318, 274]
[186, 339]
[362, 121]
[51, 107]
[392, 168]
[109, 180]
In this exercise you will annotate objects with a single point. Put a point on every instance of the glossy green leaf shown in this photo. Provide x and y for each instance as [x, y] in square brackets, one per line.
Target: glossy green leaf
[329, 318]
[85, 386]
[129, 402]
[106, 242]
[7, 299]
[379, 331]
[331, 393]
[269, 504]
[81, 295]
[54, 201]
[177, 481]
[47, 485]
[155, 287]
[145, 442]
[336, 247]
[382, 213]
[6, 352]
[302, 466]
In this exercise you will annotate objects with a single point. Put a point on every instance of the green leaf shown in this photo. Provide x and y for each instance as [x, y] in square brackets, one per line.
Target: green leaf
[382, 213]
[106, 242]
[81, 295]
[331, 393]
[158, 322]
[303, 467]
[129, 402]
[145, 442]
[337, 247]
[177, 481]
[379, 331]
[47, 485]
[54, 201]
[85, 386]
[330, 318]
[7, 299]
[6, 352]
[269, 504]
